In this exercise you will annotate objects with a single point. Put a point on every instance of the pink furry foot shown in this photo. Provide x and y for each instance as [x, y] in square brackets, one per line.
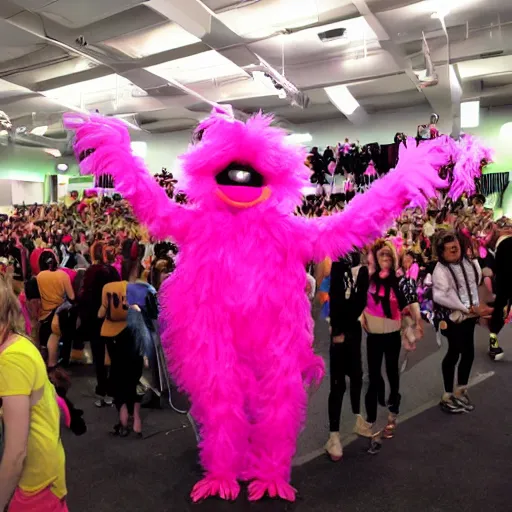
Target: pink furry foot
[274, 488]
[223, 487]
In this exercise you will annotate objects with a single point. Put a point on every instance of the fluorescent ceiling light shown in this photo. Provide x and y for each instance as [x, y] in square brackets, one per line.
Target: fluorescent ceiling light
[342, 99]
[197, 68]
[39, 130]
[299, 138]
[263, 20]
[54, 152]
[154, 40]
[91, 92]
[62, 167]
[470, 114]
[139, 148]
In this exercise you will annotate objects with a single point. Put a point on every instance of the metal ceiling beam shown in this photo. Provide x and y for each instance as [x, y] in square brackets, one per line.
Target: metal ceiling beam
[65, 39]
[201, 22]
[399, 57]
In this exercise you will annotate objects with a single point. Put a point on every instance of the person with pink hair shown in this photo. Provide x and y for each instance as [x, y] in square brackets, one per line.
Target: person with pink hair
[245, 357]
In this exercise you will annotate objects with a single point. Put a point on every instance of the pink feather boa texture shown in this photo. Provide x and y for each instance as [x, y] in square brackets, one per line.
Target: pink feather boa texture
[468, 155]
[237, 325]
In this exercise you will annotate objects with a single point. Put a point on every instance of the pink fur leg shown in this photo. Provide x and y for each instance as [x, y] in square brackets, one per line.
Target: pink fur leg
[217, 393]
[219, 411]
[281, 406]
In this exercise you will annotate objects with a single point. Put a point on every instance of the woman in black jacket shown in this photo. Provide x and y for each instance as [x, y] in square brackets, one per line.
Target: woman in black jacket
[347, 298]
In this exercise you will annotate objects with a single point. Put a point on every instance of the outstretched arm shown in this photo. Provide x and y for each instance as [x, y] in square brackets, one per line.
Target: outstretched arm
[102, 146]
[369, 215]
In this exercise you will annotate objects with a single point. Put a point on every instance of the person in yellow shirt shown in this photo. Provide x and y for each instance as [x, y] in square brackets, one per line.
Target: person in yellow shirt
[126, 359]
[54, 287]
[33, 462]
[32, 468]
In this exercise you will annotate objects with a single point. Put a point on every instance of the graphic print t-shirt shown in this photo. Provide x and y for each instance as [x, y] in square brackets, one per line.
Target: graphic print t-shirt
[116, 305]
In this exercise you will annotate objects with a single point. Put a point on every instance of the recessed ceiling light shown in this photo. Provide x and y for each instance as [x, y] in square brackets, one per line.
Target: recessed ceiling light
[342, 98]
[39, 130]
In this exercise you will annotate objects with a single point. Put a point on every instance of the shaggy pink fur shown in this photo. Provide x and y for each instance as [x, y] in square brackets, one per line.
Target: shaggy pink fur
[238, 329]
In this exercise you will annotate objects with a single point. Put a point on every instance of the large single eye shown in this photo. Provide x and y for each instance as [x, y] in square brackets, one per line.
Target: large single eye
[240, 176]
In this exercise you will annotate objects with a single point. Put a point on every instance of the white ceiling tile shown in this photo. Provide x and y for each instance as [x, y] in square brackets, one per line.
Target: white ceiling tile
[73, 13]
[33, 5]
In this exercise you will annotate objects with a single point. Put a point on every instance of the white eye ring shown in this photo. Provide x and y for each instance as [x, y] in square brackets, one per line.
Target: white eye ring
[239, 176]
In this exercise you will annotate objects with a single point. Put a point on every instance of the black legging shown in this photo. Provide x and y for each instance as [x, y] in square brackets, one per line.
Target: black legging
[125, 369]
[461, 345]
[345, 360]
[378, 346]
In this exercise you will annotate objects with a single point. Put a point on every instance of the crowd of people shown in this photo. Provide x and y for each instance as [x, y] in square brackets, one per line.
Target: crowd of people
[85, 271]
[446, 266]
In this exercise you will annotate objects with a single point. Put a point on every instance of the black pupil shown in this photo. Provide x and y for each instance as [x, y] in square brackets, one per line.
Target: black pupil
[239, 175]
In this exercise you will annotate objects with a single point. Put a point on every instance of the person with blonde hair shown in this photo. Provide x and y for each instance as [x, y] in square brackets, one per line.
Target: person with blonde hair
[32, 468]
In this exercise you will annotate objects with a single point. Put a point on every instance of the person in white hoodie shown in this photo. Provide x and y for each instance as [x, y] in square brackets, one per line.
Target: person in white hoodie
[455, 290]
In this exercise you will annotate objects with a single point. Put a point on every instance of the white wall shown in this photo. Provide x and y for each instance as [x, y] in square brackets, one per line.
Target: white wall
[164, 148]
[5, 193]
[28, 192]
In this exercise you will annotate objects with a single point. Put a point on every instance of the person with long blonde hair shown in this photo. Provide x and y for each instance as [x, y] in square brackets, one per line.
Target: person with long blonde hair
[32, 468]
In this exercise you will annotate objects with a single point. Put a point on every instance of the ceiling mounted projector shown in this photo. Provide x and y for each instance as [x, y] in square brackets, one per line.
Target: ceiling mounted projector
[332, 35]
[284, 87]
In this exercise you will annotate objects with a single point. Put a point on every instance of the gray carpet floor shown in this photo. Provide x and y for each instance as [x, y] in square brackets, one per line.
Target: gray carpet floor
[436, 463]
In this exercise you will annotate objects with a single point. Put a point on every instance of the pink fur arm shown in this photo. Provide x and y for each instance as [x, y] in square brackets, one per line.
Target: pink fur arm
[102, 146]
[369, 215]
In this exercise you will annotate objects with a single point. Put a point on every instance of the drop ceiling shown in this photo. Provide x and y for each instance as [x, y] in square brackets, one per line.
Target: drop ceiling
[138, 58]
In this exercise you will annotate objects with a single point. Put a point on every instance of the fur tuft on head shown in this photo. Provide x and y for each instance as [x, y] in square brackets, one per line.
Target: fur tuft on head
[222, 140]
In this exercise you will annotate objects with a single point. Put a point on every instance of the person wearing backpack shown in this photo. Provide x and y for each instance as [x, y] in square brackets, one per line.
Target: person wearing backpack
[455, 284]
[347, 296]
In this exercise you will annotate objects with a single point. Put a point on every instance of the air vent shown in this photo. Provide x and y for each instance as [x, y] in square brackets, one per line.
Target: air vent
[332, 35]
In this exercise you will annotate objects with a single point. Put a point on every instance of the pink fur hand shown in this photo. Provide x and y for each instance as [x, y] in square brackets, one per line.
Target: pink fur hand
[416, 178]
[314, 373]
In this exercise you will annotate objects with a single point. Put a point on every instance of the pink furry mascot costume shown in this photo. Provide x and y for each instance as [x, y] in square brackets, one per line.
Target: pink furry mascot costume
[238, 328]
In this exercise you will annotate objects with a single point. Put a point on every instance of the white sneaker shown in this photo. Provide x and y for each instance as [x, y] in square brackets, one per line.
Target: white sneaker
[333, 446]
[104, 401]
[362, 428]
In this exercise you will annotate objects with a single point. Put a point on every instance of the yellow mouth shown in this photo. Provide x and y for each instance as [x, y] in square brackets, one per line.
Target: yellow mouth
[265, 194]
